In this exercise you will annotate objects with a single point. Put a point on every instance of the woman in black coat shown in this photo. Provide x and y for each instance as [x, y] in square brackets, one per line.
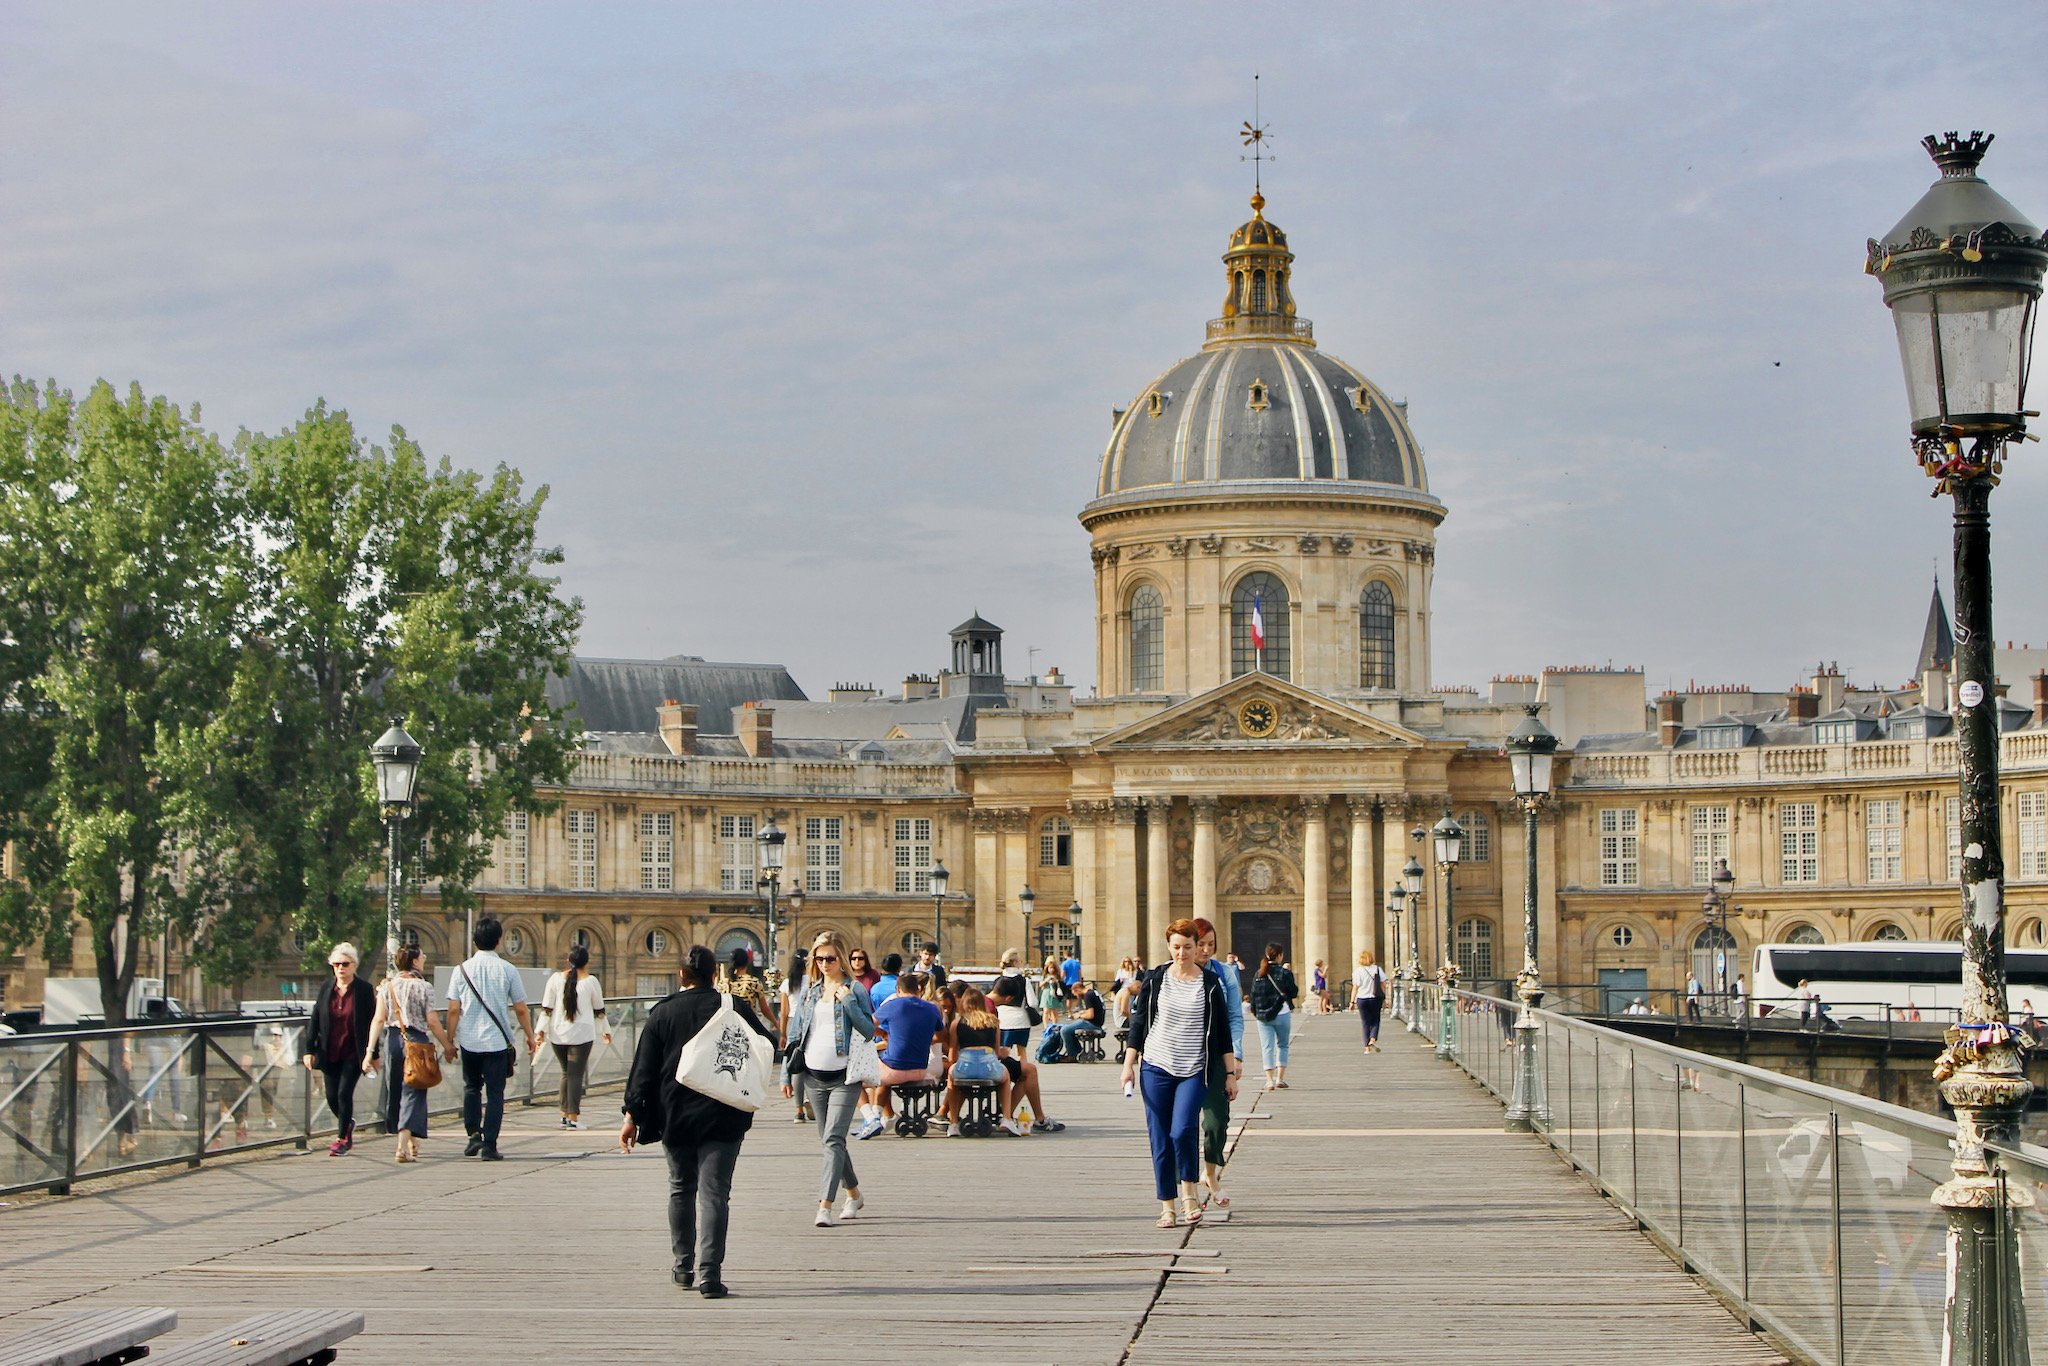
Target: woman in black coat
[1178, 1037]
[338, 1039]
[700, 1136]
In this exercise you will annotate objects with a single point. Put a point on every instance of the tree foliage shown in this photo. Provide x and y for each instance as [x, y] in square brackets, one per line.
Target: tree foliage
[209, 643]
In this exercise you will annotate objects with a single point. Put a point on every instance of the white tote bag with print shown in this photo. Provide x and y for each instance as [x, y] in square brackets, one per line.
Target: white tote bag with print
[728, 1061]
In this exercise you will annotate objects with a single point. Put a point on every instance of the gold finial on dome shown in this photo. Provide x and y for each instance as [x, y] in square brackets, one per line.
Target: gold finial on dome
[1258, 205]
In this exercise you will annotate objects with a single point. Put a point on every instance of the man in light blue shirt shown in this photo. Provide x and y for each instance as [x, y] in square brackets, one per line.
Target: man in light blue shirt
[486, 1004]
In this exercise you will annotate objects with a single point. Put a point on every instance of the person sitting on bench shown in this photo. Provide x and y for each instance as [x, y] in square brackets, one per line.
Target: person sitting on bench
[909, 1023]
[1084, 1017]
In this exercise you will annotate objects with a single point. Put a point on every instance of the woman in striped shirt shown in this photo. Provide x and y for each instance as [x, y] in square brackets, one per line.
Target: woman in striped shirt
[1179, 1032]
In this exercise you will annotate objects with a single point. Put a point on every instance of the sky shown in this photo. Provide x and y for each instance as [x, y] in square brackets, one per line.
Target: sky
[812, 317]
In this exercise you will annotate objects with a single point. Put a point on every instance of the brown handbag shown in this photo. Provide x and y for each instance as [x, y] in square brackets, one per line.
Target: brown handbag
[422, 1060]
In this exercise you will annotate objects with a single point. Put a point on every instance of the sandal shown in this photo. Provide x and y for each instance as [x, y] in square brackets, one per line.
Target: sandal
[1191, 1210]
[1166, 1219]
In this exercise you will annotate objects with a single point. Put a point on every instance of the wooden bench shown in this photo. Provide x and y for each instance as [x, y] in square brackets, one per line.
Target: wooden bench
[95, 1337]
[290, 1337]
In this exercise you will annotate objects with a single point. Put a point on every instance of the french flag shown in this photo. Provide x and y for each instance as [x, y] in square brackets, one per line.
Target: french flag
[1258, 624]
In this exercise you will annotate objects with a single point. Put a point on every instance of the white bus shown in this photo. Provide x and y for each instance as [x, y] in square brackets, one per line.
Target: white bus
[1865, 981]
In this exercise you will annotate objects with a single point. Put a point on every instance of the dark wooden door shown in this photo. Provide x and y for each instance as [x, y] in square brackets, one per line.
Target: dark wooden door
[1251, 931]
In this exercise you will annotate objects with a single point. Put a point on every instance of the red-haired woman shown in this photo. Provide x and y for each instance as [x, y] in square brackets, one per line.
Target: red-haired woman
[1179, 1033]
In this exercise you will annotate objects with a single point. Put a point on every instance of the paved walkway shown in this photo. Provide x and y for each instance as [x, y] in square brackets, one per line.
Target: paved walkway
[1380, 1214]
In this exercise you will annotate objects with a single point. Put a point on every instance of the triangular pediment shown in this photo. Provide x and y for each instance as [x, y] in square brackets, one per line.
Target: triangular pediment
[1231, 717]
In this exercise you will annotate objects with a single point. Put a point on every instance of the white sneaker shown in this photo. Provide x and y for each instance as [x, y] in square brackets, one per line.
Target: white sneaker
[824, 1219]
[1012, 1128]
[953, 1131]
[871, 1128]
[854, 1205]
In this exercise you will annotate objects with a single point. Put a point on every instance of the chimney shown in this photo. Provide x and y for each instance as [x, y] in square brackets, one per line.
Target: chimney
[1801, 704]
[757, 730]
[918, 687]
[678, 726]
[2041, 698]
[1670, 718]
[1828, 687]
[1934, 688]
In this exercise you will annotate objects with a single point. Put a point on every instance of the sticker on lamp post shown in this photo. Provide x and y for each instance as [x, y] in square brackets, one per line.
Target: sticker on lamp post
[1971, 693]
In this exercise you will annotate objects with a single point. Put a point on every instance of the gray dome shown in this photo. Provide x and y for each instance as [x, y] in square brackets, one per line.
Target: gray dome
[1273, 411]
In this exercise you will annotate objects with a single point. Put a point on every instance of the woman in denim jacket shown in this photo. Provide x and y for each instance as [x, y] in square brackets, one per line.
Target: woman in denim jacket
[822, 1020]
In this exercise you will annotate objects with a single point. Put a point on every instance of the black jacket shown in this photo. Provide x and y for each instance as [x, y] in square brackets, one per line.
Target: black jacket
[322, 1022]
[661, 1107]
[1215, 1013]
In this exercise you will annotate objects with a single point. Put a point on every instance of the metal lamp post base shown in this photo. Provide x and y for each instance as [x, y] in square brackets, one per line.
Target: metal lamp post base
[1985, 1323]
[1414, 1010]
[1447, 1028]
[1529, 1109]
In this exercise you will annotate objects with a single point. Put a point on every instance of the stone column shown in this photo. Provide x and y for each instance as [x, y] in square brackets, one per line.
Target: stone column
[1158, 870]
[1362, 908]
[1126, 933]
[1315, 884]
[695, 844]
[1205, 868]
[1096, 945]
[1018, 868]
[867, 856]
[988, 900]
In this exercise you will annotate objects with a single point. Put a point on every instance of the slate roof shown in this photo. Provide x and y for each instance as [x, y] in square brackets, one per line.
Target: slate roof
[625, 694]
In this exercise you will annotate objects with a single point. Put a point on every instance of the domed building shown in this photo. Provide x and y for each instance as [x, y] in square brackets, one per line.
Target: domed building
[1262, 479]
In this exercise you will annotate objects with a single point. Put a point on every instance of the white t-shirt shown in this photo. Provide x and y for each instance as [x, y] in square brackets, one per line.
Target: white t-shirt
[821, 1045]
[589, 1000]
[1362, 980]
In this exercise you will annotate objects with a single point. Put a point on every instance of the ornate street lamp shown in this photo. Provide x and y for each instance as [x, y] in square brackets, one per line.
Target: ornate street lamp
[1530, 747]
[1074, 917]
[1394, 899]
[1962, 276]
[1025, 898]
[1449, 837]
[940, 879]
[396, 757]
[1717, 905]
[772, 840]
[1411, 879]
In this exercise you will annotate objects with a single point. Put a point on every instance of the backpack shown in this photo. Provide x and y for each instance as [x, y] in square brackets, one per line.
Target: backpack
[1266, 999]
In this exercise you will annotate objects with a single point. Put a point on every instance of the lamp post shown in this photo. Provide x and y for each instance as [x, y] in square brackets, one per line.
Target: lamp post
[1530, 747]
[396, 757]
[1074, 913]
[796, 916]
[1394, 899]
[1025, 898]
[772, 840]
[1717, 905]
[940, 879]
[1450, 843]
[1962, 276]
[1411, 878]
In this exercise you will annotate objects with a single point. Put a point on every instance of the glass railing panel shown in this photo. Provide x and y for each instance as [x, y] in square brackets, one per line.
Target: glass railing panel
[1710, 1129]
[34, 1132]
[255, 1085]
[1616, 1118]
[1893, 1241]
[1792, 1249]
[1657, 1079]
[2026, 1175]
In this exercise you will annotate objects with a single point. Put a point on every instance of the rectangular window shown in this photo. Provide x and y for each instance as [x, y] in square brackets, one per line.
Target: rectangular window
[1799, 842]
[2033, 832]
[1709, 841]
[581, 824]
[657, 851]
[736, 840]
[914, 856]
[1955, 839]
[824, 853]
[1884, 838]
[1619, 830]
[1478, 838]
[515, 850]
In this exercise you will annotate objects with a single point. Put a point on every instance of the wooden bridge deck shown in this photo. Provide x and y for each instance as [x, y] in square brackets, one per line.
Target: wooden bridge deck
[1380, 1214]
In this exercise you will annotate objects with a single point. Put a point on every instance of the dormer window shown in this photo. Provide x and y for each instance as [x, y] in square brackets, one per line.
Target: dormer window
[1259, 402]
[1834, 732]
[1155, 402]
[1720, 737]
[1361, 399]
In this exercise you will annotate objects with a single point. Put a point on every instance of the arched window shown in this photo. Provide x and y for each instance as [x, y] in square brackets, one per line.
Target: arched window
[1056, 843]
[1053, 939]
[580, 939]
[738, 937]
[1258, 291]
[1475, 949]
[1714, 973]
[1259, 600]
[2030, 935]
[409, 937]
[1887, 933]
[656, 942]
[1621, 936]
[1376, 637]
[1148, 640]
[1804, 934]
[913, 940]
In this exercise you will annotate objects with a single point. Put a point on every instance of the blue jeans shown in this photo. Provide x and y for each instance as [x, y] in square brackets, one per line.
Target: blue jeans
[1173, 1121]
[1274, 1037]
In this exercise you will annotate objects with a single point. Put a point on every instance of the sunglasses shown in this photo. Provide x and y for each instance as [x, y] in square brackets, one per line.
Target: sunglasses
[824, 958]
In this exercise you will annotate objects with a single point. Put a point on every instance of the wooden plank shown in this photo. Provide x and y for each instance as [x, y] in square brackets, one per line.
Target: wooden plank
[88, 1336]
[268, 1339]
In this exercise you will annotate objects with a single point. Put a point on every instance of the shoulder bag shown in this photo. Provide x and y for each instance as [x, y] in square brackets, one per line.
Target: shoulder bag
[863, 1060]
[1379, 985]
[422, 1061]
[728, 1061]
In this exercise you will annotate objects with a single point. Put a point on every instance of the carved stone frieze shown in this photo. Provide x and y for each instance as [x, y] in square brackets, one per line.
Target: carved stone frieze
[1341, 545]
[1260, 823]
[1212, 544]
[985, 820]
[1259, 545]
[1085, 812]
[1260, 876]
[1298, 723]
[1309, 544]
[1177, 547]
[1314, 806]
[1141, 552]
[1205, 809]
[1124, 810]
[1015, 820]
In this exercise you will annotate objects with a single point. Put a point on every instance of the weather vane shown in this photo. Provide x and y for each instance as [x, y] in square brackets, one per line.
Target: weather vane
[1256, 135]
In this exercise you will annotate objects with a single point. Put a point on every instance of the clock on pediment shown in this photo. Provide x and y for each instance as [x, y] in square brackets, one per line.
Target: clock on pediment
[1257, 718]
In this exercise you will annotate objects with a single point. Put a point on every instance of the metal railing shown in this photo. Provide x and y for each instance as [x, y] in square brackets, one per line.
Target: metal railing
[98, 1102]
[1807, 1207]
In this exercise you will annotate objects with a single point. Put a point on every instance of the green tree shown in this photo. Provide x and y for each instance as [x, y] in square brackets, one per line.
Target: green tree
[122, 547]
[386, 587]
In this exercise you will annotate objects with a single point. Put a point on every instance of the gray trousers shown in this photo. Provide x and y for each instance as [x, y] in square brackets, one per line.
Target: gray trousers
[835, 1106]
[699, 1199]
